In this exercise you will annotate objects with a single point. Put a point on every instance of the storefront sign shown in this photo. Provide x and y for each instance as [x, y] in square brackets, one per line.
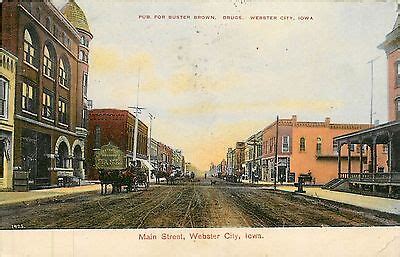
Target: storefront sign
[110, 157]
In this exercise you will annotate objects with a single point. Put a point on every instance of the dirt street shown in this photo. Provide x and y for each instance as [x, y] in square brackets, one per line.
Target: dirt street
[188, 205]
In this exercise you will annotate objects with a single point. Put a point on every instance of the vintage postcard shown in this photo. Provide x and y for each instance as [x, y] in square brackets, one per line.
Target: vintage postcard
[224, 128]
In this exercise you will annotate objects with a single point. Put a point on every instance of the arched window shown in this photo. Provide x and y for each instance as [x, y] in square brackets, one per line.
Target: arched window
[319, 145]
[30, 48]
[65, 72]
[48, 24]
[48, 60]
[302, 144]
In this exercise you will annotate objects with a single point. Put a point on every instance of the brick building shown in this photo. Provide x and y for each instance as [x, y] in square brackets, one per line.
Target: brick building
[308, 146]
[116, 127]
[51, 87]
[165, 155]
[391, 46]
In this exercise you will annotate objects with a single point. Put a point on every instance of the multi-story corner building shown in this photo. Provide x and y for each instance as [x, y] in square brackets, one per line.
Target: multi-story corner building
[52, 47]
[391, 45]
[8, 66]
[308, 147]
[116, 127]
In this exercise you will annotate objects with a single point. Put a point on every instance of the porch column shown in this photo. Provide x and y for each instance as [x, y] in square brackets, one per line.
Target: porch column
[361, 157]
[374, 155]
[339, 158]
[349, 158]
[390, 151]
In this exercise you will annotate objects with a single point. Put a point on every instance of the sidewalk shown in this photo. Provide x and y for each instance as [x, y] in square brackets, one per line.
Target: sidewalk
[17, 197]
[370, 202]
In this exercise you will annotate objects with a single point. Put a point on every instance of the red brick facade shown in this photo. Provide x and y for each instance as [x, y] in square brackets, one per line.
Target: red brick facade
[116, 127]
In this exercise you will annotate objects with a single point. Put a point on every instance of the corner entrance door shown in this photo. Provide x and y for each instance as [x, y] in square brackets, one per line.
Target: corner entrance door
[35, 150]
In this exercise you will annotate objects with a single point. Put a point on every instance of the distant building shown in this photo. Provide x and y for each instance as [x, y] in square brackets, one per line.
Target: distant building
[8, 67]
[165, 155]
[239, 163]
[52, 47]
[305, 146]
[116, 127]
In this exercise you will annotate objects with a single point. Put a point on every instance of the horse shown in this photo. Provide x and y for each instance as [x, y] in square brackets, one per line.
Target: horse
[109, 177]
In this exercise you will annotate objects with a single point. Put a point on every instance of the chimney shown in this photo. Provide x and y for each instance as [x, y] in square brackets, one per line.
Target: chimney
[294, 119]
[327, 121]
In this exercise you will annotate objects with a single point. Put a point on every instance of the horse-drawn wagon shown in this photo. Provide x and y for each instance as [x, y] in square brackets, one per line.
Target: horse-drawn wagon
[111, 164]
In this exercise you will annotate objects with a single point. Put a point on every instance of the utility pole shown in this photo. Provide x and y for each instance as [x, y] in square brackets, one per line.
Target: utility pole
[137, 111]
[149, 144]
[276, 151]
[372, 88]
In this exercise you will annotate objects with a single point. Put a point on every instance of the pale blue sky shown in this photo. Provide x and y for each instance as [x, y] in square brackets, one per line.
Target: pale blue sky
[211, 83]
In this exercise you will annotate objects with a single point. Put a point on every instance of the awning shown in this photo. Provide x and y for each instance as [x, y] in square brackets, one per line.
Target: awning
[147, 164]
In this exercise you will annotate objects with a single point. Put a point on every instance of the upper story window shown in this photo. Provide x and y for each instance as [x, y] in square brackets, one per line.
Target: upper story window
[62, 111]
[398, 73]
[97, 137]
[48, 105]
[30, 48]
[28, 98]
[319, 145]
[85, 84]
[398, 108]
[4, 84]
[285, 144]
[48, 24]
[48, 61]
[302, 144]
[64, 72]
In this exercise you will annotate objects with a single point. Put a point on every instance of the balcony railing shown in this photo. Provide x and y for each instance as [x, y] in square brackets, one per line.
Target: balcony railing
[381, 177]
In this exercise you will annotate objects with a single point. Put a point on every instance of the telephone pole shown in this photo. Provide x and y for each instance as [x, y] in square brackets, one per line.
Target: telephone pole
[137, 111]
[372, 88]
[276, 151]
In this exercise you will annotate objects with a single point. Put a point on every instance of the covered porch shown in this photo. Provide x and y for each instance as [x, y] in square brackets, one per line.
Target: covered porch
[369, 175]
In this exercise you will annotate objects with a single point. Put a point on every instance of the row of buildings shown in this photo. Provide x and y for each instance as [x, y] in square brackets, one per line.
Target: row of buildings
[45, 128]
[302, 147]
[117, 127]
[357, 155]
